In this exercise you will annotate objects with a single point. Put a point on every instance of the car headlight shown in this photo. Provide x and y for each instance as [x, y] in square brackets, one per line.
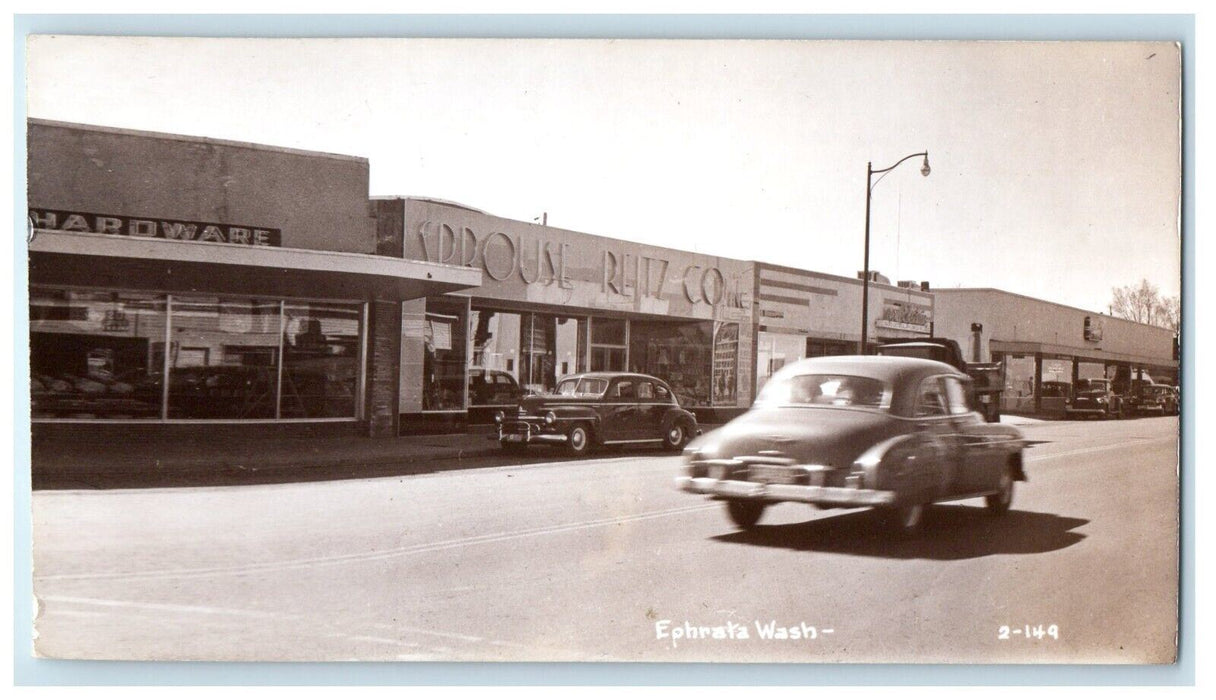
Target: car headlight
[499, 416]
[1101, 400]
[550, 418]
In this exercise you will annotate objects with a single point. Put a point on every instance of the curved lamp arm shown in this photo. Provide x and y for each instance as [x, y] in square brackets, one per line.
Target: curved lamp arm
[924, 169]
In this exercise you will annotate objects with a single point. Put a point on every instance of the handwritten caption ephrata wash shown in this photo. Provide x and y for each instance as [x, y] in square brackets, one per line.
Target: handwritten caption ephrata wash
[769, 631]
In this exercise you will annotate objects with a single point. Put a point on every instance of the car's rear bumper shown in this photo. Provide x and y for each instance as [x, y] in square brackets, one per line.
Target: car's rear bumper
[823, 495]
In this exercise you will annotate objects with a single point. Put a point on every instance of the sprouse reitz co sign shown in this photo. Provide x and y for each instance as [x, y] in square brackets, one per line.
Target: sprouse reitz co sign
[154, 227]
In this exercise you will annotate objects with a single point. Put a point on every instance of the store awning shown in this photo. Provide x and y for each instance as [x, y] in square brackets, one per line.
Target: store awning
[125, 262]
[1091, 354]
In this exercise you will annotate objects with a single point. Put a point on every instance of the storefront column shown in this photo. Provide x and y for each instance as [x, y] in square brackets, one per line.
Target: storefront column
[1038, 382]
[384, 351]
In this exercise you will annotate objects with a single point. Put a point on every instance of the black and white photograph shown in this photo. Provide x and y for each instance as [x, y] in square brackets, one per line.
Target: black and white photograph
[604, 350]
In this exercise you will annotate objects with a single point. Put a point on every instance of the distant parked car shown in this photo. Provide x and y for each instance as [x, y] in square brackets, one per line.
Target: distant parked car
[491, 390]
[1095, 398]
[895, 433]
[599, 408]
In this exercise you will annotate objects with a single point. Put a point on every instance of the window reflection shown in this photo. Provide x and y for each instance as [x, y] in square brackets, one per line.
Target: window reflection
[96, 354]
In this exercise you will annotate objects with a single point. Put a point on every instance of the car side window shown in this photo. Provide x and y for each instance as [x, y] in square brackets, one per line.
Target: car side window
[645, 391]
[624, 390]
[662, 393]
[956, 395]
[929, 398]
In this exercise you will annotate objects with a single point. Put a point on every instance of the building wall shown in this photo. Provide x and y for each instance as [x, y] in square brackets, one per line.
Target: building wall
[1012, 318]
[318, 201]
[530, 267]
[829, 306]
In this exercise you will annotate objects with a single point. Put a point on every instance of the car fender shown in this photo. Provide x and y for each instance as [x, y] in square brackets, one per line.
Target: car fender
[679, 415]
[570, 414]
[909, 464]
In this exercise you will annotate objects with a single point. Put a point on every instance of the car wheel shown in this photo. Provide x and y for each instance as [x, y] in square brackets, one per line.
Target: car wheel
[578, 439]
[745, 514]
[514, 448]
[906, 520]
[999, 502]
[675, 436]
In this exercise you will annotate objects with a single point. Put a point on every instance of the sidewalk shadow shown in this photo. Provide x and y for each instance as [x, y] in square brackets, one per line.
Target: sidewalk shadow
[948, 533]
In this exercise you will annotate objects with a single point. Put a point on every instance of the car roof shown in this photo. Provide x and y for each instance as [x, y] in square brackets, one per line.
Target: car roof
[610, 376]
[884, 367]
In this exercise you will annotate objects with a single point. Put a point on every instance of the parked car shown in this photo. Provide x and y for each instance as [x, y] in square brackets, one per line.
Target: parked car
[1158, 399]
[1145, 398]
[489, 391]
[895, 433]
[599, 408]
[1097, 398]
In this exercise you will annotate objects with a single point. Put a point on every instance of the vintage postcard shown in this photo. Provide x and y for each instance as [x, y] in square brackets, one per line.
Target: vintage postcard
[604, 350]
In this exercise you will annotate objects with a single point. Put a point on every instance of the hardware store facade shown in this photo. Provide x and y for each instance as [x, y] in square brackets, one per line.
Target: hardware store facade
[183, 280]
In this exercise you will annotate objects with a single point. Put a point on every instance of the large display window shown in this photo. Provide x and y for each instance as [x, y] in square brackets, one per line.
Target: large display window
[533, 350]
[445, 335]
[774, 351]
[680, 354]
[96, 354]
[102, 355]
[609, 344]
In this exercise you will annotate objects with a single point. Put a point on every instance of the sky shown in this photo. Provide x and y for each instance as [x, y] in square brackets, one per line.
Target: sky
[1055, 166]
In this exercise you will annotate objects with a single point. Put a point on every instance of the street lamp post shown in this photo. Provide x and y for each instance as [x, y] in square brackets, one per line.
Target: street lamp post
[865, 274]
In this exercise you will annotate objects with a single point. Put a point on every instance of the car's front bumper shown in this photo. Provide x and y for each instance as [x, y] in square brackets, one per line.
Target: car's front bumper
[1085, 410]
[820, 495]
[525, 433]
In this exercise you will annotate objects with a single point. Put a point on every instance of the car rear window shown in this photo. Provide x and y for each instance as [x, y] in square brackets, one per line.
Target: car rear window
[825, 390]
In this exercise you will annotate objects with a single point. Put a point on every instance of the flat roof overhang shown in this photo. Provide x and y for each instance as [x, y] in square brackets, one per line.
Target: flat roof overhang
[1093, 354]
[124, 262]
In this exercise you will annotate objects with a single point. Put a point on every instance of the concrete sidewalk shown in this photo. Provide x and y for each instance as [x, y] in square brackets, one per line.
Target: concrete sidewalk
[86, 461]
[96, 462]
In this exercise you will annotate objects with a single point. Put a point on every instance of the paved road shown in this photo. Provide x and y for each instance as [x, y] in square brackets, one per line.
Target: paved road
[598, 559]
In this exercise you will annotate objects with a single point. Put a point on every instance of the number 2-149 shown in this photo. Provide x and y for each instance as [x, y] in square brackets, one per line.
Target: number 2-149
[1028, 632]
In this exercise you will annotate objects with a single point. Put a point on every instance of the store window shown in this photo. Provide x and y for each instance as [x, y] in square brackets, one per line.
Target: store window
[223, 358]
[96, 354]
[609, 344]
[443, 364]
[1019, 383]
[534, 349]
[680, 354]
[726, 364]
[774, 351]
[320, 360]
[102, 355]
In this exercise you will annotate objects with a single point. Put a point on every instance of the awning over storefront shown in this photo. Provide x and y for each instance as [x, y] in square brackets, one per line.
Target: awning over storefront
[1093, 354]
[101, 260]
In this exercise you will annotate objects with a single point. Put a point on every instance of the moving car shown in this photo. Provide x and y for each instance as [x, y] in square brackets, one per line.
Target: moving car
[599, 408]
[1095, 397]
[844, 432]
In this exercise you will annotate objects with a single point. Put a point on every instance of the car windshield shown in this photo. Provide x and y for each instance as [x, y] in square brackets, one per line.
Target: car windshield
[581, 386]
[825, 390]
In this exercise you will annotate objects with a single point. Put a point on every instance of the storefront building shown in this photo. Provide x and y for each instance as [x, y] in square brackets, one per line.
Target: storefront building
[554, 302]
[1046, 347]
[803, 314]
[182, 280]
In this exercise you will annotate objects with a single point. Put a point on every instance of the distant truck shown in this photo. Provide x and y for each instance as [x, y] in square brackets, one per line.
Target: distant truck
[987, 378]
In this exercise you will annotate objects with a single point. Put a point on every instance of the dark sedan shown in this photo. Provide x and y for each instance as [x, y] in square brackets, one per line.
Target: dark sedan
[844, 432]
[599, 408]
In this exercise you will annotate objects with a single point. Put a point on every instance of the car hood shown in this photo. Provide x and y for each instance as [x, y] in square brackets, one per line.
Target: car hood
[531, 404]
[810, 435]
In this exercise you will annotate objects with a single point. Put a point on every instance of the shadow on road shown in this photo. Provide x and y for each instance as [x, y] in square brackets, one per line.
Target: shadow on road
[948, 533]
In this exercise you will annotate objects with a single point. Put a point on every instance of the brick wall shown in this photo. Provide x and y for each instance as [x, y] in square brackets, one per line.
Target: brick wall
[384, 341]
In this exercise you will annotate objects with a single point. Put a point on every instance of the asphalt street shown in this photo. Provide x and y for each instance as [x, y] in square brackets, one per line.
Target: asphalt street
[602, 559]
